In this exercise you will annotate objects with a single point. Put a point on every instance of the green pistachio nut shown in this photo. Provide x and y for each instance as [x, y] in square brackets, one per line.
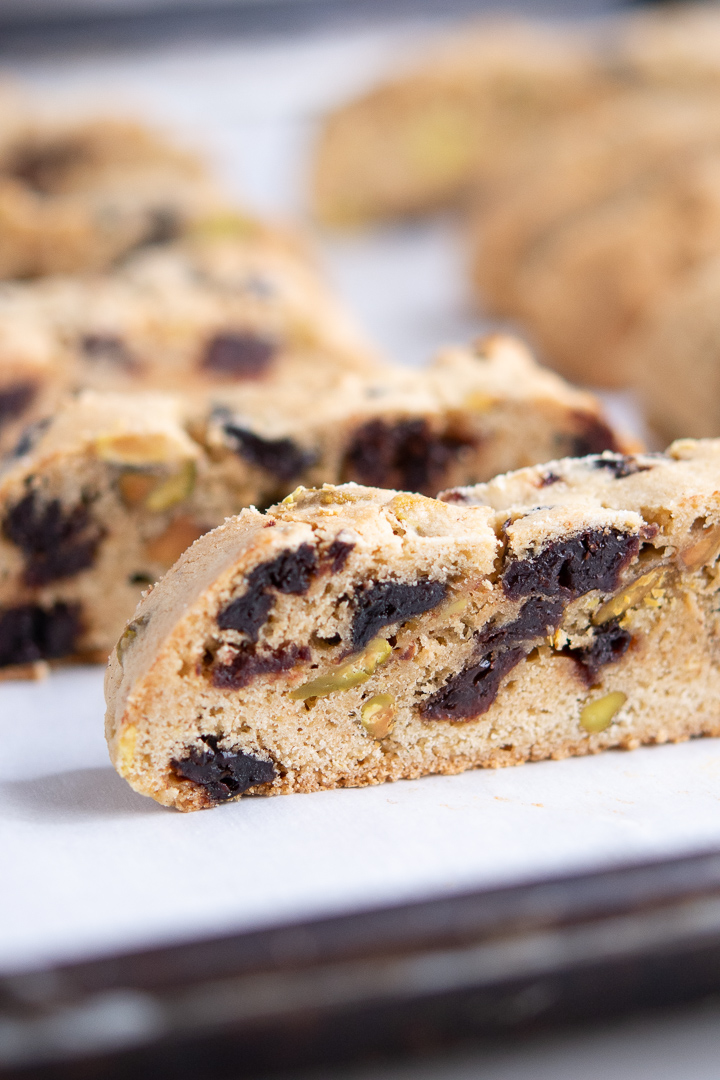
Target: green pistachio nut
[358, 669]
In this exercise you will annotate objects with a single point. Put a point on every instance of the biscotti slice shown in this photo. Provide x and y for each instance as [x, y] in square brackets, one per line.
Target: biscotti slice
[474, 412]
[673, 358]
[78, 194]
[353, 635]
[95, 505]
[421, 139]
[603, 217]
[216, 310]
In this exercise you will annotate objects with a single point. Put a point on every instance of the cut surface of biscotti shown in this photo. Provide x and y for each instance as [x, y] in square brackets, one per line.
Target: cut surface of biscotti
[353, 635]
[100, 499]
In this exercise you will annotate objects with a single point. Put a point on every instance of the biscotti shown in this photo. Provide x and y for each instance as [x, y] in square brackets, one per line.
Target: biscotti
[673, 357]
[353, 635]
[79, 194]
[462, 117]
[100, 500]
[602, 221]
[422, 139]
[229, 304]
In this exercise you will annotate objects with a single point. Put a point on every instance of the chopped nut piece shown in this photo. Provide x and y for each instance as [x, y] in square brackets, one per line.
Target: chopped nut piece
[455, 607]
[353, 672]
[378, 715]
[126, 748]
[170, 544]
[135, 487]
[129, 635]
[479, 402]
[173, 490]
[599, 714]
[137, 449]
[705, 550]
[629, 597]
[427, 516]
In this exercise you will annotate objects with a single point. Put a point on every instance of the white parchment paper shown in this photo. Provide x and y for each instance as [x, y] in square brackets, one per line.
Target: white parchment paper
[86, 865]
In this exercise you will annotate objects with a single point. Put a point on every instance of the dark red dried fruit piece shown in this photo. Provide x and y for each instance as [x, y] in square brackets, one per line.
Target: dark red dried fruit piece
[536, 619]
[405, 455]
[389, 602]
[14, 400]
[222, 773]
[247, 664]
[29, 437]
[291, 572]
[29, 633]
[282, 458]
[163, 225]
[56, 542]
[337, 555]
[573, 567]
[107, 348]
[620, 465]
[472, 691]
[592, 437]
[548, 479]
[609, 644]
[238, 356]
[44, 166]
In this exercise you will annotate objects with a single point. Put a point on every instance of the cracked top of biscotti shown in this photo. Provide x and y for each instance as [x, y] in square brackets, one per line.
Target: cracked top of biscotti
[663, 493]
[477, 378]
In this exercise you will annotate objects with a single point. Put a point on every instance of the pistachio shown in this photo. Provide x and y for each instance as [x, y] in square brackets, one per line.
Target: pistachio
[703, 551]
[173, 490]
[427, 517]
[129, 635]
[170, 544]
[455, 607]
[378, 715]
[358, 669]
[479, 402]
[134, 448]
[628, 597]
[290, 499]
[598, 715]
[126, 748]
[135, 487]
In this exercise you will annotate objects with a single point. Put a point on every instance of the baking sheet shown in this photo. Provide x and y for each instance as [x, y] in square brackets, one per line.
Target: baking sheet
[88, 866]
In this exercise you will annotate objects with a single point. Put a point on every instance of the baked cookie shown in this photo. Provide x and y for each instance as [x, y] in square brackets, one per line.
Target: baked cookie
[610, 216]
[76, 195]
[473, 412]
[100, 500]
[675, 45]
[95, 505]
[673, 359]
[422, 139]
[208, 311]
[353, 635]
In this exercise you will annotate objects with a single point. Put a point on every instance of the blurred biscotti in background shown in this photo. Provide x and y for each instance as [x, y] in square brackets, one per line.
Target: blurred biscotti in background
[604, 214]
[79, 194]
[220, 307]
[587, 158]
[426, 137]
